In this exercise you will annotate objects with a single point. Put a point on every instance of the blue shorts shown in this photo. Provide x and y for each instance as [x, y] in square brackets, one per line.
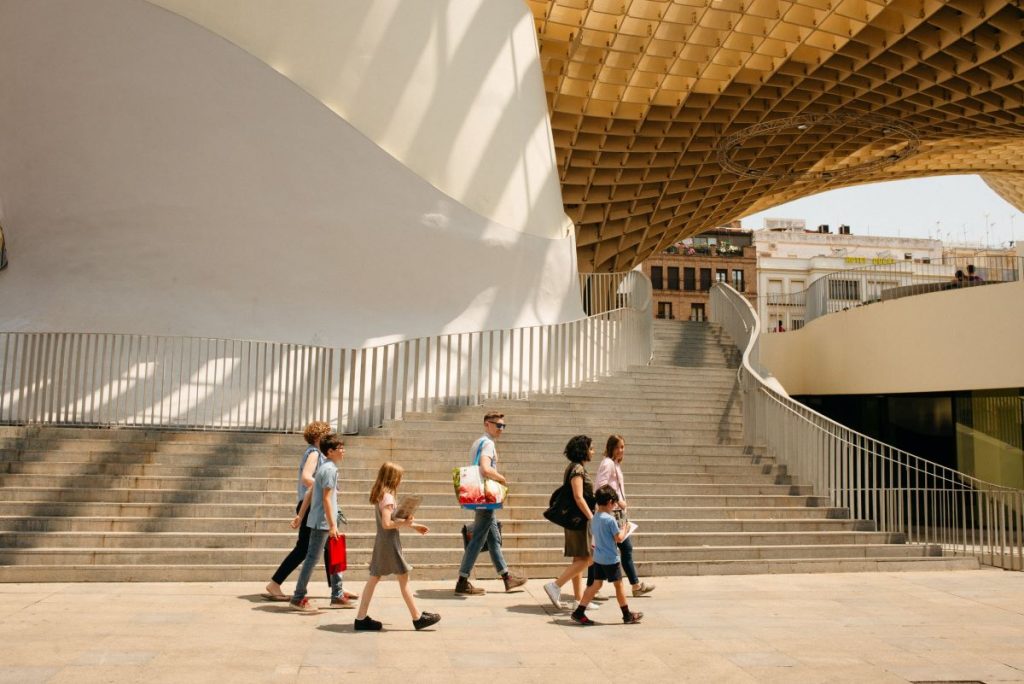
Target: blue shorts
[609, 573]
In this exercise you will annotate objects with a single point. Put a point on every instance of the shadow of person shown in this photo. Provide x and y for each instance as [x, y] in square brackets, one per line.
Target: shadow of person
[529, 609]
[343, 628]
[444, 594]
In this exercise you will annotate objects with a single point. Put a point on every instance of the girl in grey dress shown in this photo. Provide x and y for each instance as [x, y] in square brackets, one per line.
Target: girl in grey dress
[387, 558]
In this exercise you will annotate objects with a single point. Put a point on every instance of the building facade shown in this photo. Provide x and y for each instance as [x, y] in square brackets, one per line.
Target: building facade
[790, 259]
[682, 275]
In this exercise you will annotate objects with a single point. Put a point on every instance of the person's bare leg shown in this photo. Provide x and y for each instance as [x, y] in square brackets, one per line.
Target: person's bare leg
[579, 563]
[403, 586]
[577, 584]
[274, 589]
[620, 594]
[364, 603]
[591, 592]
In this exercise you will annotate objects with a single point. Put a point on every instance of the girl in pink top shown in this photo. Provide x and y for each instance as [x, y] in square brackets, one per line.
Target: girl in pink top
[610, 473]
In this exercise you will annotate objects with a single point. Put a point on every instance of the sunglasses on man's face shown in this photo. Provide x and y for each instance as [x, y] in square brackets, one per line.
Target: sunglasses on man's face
[500, 426]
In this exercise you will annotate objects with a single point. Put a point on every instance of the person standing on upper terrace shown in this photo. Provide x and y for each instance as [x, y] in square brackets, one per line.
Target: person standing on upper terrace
[485, 523]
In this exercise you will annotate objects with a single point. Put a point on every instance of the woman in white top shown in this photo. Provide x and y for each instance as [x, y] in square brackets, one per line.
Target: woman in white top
[610, 473]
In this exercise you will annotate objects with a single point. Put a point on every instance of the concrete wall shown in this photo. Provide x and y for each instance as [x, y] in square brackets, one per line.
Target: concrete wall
[944, 341]
[156, 178]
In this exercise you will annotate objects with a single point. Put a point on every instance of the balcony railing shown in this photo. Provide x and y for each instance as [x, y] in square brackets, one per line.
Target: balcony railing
[185, 382]
[855, 287]
[927, 503]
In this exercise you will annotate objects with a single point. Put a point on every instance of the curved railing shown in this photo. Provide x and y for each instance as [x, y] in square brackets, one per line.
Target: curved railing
[203, 383]
[902, 493]
[887, 279]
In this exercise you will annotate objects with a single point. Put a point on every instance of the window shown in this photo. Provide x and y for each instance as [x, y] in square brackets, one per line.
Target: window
[664, 309]
[844, 289]
[705, 279]
[796, 323]
[737, 279]
[697, 312]
[656, 275]
[689, 279]
[721, 275]
[673, 278]
[775, 292]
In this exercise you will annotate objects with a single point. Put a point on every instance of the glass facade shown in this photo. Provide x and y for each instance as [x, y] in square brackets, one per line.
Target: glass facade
[980, 432]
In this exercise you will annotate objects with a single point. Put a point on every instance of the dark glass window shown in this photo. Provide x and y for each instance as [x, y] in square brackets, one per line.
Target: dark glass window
[721, 275]
[689, 279]
[697, 312]
[673, 278]
[737, 279]
[705, 279]
[656, 278]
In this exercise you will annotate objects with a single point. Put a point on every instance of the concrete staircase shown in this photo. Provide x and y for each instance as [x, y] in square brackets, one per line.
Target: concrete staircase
[119, 505]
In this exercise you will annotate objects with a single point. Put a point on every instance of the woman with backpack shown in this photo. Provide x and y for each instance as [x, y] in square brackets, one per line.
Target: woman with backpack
[577, 542]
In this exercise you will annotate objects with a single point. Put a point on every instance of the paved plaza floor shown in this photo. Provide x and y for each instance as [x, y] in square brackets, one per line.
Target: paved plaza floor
[898, 627]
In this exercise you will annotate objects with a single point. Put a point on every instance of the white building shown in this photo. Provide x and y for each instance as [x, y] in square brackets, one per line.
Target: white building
[790, 259]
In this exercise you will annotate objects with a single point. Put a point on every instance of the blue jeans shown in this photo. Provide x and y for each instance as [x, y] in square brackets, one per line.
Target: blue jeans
[485, 529]
[317, 542]
[626, 551]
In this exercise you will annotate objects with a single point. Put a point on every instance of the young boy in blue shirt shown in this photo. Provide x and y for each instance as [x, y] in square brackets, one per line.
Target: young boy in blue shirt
[607, 536]
[322, 502]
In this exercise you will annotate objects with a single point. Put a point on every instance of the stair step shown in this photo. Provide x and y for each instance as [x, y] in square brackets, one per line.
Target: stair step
[97, 504]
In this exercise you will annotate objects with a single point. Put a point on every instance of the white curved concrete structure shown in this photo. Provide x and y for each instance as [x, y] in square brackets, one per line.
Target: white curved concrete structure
[156, 178]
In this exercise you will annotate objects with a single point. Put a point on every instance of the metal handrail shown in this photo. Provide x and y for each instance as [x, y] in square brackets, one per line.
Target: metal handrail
[927, 503]
[106, 379]
[887, 279]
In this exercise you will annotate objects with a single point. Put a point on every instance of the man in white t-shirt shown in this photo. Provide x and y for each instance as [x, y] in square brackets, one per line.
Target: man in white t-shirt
[485, 523]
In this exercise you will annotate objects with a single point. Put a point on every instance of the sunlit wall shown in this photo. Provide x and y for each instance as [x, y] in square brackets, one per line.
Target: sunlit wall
[336, 173]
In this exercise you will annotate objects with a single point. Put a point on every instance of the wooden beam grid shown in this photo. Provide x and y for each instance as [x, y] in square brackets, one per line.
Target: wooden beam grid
[642, 94]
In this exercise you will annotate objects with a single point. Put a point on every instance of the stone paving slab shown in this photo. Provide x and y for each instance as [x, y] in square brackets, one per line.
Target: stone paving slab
[884, 627]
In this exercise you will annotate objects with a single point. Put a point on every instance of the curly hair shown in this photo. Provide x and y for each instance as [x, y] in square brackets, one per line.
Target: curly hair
[578, 449]
[316, 431]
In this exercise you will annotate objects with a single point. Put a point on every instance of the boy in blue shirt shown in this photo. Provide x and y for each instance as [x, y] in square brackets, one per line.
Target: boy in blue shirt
[607, 536]
[322, 501]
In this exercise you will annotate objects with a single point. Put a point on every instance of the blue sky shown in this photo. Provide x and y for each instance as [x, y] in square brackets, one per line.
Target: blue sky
[953, 206]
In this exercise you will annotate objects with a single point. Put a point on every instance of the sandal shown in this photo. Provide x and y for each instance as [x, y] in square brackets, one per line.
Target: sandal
[275, 597]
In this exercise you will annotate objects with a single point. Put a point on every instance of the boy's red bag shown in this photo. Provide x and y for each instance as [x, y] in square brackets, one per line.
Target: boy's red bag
[338, 556]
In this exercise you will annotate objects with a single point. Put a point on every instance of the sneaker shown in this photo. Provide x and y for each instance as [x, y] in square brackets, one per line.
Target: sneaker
[342, 603]
[466, 589]
[367, 624]
[642, 588]
[632, 618]
[554, 594]
[512, 581]
[581, 619]
[425, 620]
[303, 606]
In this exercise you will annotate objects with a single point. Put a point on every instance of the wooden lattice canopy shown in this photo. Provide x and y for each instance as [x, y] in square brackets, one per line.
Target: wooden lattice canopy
[674, 116]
